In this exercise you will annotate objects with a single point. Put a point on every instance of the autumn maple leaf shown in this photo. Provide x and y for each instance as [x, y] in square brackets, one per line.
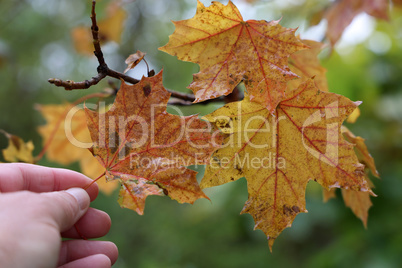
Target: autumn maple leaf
[359, 202]
[146, 148]
[66, 140]
[65, 143]
[230, 50]
[279, 153]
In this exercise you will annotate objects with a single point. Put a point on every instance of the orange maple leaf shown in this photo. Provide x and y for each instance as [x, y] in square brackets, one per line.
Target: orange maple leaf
[279, 153]
[341, 14]
[146, 148]
[230, 50]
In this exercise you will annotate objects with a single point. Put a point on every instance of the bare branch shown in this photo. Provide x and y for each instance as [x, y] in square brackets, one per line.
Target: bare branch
[118, 75]
[103, 71]
[178, 102]
[95, 35]
[70, 85]
[182, 96]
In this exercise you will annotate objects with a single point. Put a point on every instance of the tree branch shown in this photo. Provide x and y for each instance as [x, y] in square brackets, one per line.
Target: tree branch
[70, 85]
[104, 71]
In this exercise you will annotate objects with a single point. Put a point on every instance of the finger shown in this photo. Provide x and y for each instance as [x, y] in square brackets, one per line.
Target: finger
[65, 208]
[78, 249]
[19, 176]
[98, 261]
[95, 223]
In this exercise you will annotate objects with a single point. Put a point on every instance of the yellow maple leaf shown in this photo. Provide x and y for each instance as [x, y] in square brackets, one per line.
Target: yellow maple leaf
[362, 152]
[17, 150]
[279, 153]
[66, 140]
[230, 50]
[359, 202]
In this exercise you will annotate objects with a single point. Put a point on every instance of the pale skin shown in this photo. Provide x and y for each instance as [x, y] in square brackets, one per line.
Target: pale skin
[39, 206]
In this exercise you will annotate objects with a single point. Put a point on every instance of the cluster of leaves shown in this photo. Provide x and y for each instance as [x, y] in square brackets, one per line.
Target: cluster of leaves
[285, 132]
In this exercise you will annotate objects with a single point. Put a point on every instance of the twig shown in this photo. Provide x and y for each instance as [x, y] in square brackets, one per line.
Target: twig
[179, 102]
[70, 85]
[95, 36]
[117, 75]
[104, 70]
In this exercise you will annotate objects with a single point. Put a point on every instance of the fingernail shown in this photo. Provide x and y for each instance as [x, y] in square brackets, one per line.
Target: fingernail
[80, 195]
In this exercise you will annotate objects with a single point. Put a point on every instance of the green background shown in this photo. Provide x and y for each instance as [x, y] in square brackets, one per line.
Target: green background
[35, 44]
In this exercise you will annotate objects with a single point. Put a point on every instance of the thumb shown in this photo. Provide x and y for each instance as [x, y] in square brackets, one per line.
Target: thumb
[67, 207]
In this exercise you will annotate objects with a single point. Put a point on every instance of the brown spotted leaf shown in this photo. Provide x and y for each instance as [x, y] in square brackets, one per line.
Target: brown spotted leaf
[230, 50]
[146, 148]
[342, 12]
[279, 153]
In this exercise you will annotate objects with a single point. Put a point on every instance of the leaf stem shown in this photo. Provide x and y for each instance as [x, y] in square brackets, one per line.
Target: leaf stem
[92, 182]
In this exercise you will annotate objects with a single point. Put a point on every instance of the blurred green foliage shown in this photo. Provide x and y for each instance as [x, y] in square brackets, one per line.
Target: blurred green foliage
[35, 44]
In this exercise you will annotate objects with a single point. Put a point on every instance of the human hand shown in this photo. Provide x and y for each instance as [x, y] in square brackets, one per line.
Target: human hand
[35, 212]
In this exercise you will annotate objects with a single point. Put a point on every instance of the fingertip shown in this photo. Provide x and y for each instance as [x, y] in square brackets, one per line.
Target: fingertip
[113, 253]
[98, 260]
[95, 223]
[65, 208]
[78, 250]
[81, 196]
[102, 261]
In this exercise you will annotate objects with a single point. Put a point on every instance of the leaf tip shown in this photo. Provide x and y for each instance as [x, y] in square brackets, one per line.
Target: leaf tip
[271, 241]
